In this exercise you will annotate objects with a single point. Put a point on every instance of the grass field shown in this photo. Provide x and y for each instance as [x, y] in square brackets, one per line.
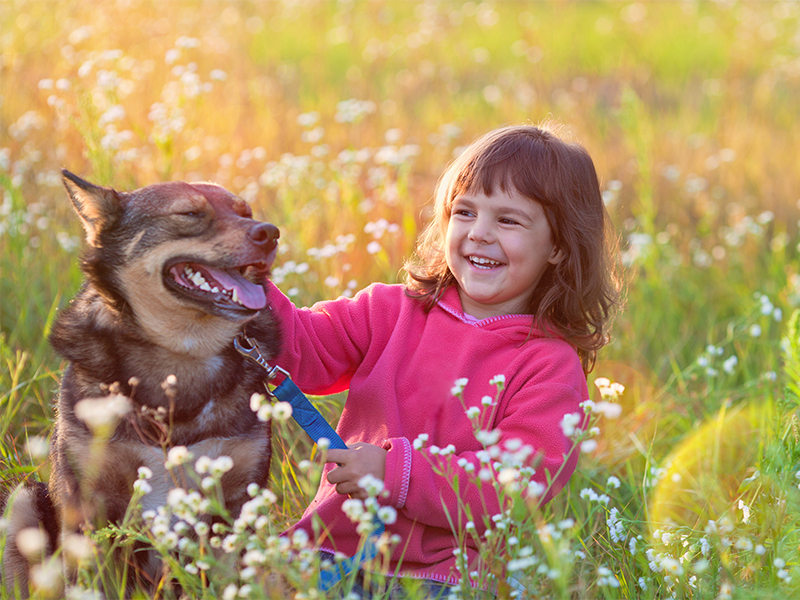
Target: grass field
[334, 120]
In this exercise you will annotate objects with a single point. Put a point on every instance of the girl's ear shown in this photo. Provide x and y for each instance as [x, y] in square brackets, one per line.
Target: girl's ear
[556, 256]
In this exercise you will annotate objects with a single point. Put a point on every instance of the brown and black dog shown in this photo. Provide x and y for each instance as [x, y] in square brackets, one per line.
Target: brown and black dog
[173, 271]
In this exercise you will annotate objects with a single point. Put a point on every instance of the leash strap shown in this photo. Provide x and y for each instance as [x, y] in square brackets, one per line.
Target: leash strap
[307, 415]
[315, 425]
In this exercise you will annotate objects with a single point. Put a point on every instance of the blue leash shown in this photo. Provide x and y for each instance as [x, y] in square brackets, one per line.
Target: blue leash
[315, 425]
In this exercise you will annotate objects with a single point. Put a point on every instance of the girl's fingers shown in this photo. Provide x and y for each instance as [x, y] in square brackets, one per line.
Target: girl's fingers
[336, 455]
[345, 485]
[338, 475]
[348, 488]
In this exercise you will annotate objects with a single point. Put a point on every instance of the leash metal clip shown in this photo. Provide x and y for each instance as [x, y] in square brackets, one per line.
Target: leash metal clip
[251, 351]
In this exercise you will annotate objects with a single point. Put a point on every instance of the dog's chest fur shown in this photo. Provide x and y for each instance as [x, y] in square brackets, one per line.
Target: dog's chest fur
[211, 394]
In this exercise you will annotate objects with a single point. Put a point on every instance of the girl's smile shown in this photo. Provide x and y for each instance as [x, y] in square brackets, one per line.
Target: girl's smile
[497, 247]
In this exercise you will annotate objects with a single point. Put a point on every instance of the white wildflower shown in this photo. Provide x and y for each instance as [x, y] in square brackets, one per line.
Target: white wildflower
[371, 484]
[281, 411]
[458, 386]
[141, 485]
[221, 465]
[611, 410]
[47, 578]
[730, 364]
[264, 413]
[569, 422]
[488, 438]
[498, 380]
[387, 515]
[102, 413]
[177, 455]
[615, 526]
[256, 400]
[507, 476]
[535, 489]
[37, 447]
[31, 543]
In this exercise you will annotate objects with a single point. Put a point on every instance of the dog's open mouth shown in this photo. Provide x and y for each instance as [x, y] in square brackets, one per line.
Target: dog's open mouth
[227, 289]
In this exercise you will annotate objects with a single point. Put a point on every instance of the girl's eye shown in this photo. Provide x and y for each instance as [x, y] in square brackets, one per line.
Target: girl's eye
[193, 214]
[508, 221]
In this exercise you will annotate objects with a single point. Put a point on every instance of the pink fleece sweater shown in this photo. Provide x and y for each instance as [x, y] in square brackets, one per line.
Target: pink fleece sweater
[400, 365]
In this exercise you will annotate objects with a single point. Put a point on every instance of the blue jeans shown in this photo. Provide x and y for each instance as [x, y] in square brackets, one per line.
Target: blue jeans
[391, 588]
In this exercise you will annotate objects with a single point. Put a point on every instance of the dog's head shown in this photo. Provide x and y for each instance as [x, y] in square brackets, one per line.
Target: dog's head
[178, 254]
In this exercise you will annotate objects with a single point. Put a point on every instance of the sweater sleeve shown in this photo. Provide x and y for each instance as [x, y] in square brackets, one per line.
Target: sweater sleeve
[324, 344]
[446, 489]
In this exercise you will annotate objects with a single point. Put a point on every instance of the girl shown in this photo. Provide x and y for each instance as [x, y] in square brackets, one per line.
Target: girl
[512, 277]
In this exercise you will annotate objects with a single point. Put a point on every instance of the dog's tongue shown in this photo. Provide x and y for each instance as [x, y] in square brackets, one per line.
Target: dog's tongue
[249, 293]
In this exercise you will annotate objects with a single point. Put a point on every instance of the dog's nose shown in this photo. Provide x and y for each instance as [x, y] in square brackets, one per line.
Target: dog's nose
[264, 233]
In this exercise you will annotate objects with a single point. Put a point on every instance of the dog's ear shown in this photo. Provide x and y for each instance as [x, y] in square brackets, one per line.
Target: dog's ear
[98, 207]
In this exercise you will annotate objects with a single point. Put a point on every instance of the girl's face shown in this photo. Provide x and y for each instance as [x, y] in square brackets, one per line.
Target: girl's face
[497, 247]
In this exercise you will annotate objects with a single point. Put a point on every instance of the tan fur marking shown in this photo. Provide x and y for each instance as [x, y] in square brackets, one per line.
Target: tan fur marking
[133, 243]
[170, 323]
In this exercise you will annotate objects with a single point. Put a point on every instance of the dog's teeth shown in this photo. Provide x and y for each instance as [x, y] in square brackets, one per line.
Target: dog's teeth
[235, 296]
[188, 270]
[198, 279]
[205, 287]
[215, 290]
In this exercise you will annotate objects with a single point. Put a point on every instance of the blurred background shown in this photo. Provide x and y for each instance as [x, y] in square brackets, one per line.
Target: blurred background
[335, 119]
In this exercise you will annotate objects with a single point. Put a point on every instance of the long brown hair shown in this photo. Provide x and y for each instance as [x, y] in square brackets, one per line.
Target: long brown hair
[575, 298]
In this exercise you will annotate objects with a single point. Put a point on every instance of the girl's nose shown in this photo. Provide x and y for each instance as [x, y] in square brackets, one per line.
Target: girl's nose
[481, 232]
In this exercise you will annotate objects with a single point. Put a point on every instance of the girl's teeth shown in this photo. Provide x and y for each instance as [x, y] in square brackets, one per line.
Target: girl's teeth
[483, 261]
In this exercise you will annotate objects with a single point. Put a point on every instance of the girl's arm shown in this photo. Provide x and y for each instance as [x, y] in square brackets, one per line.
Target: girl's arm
[322, 345]
[435, 489]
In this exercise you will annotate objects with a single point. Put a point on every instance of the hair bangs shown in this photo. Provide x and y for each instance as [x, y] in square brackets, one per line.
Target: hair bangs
[507, 164]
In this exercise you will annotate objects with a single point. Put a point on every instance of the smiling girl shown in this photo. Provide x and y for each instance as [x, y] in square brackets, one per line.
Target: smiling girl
[512, 277]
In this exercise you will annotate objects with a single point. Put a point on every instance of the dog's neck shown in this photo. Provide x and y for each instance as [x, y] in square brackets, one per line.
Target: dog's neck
[201, 338]
[184, 331]
[106, 343]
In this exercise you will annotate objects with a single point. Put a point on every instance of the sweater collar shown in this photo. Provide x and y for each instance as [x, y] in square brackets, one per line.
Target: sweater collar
[451, 303]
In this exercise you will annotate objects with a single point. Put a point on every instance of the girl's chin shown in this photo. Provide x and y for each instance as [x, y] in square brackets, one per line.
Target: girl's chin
[478, 298]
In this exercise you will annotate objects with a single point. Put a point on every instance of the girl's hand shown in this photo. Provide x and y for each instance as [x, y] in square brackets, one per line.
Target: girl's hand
[358, 460]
